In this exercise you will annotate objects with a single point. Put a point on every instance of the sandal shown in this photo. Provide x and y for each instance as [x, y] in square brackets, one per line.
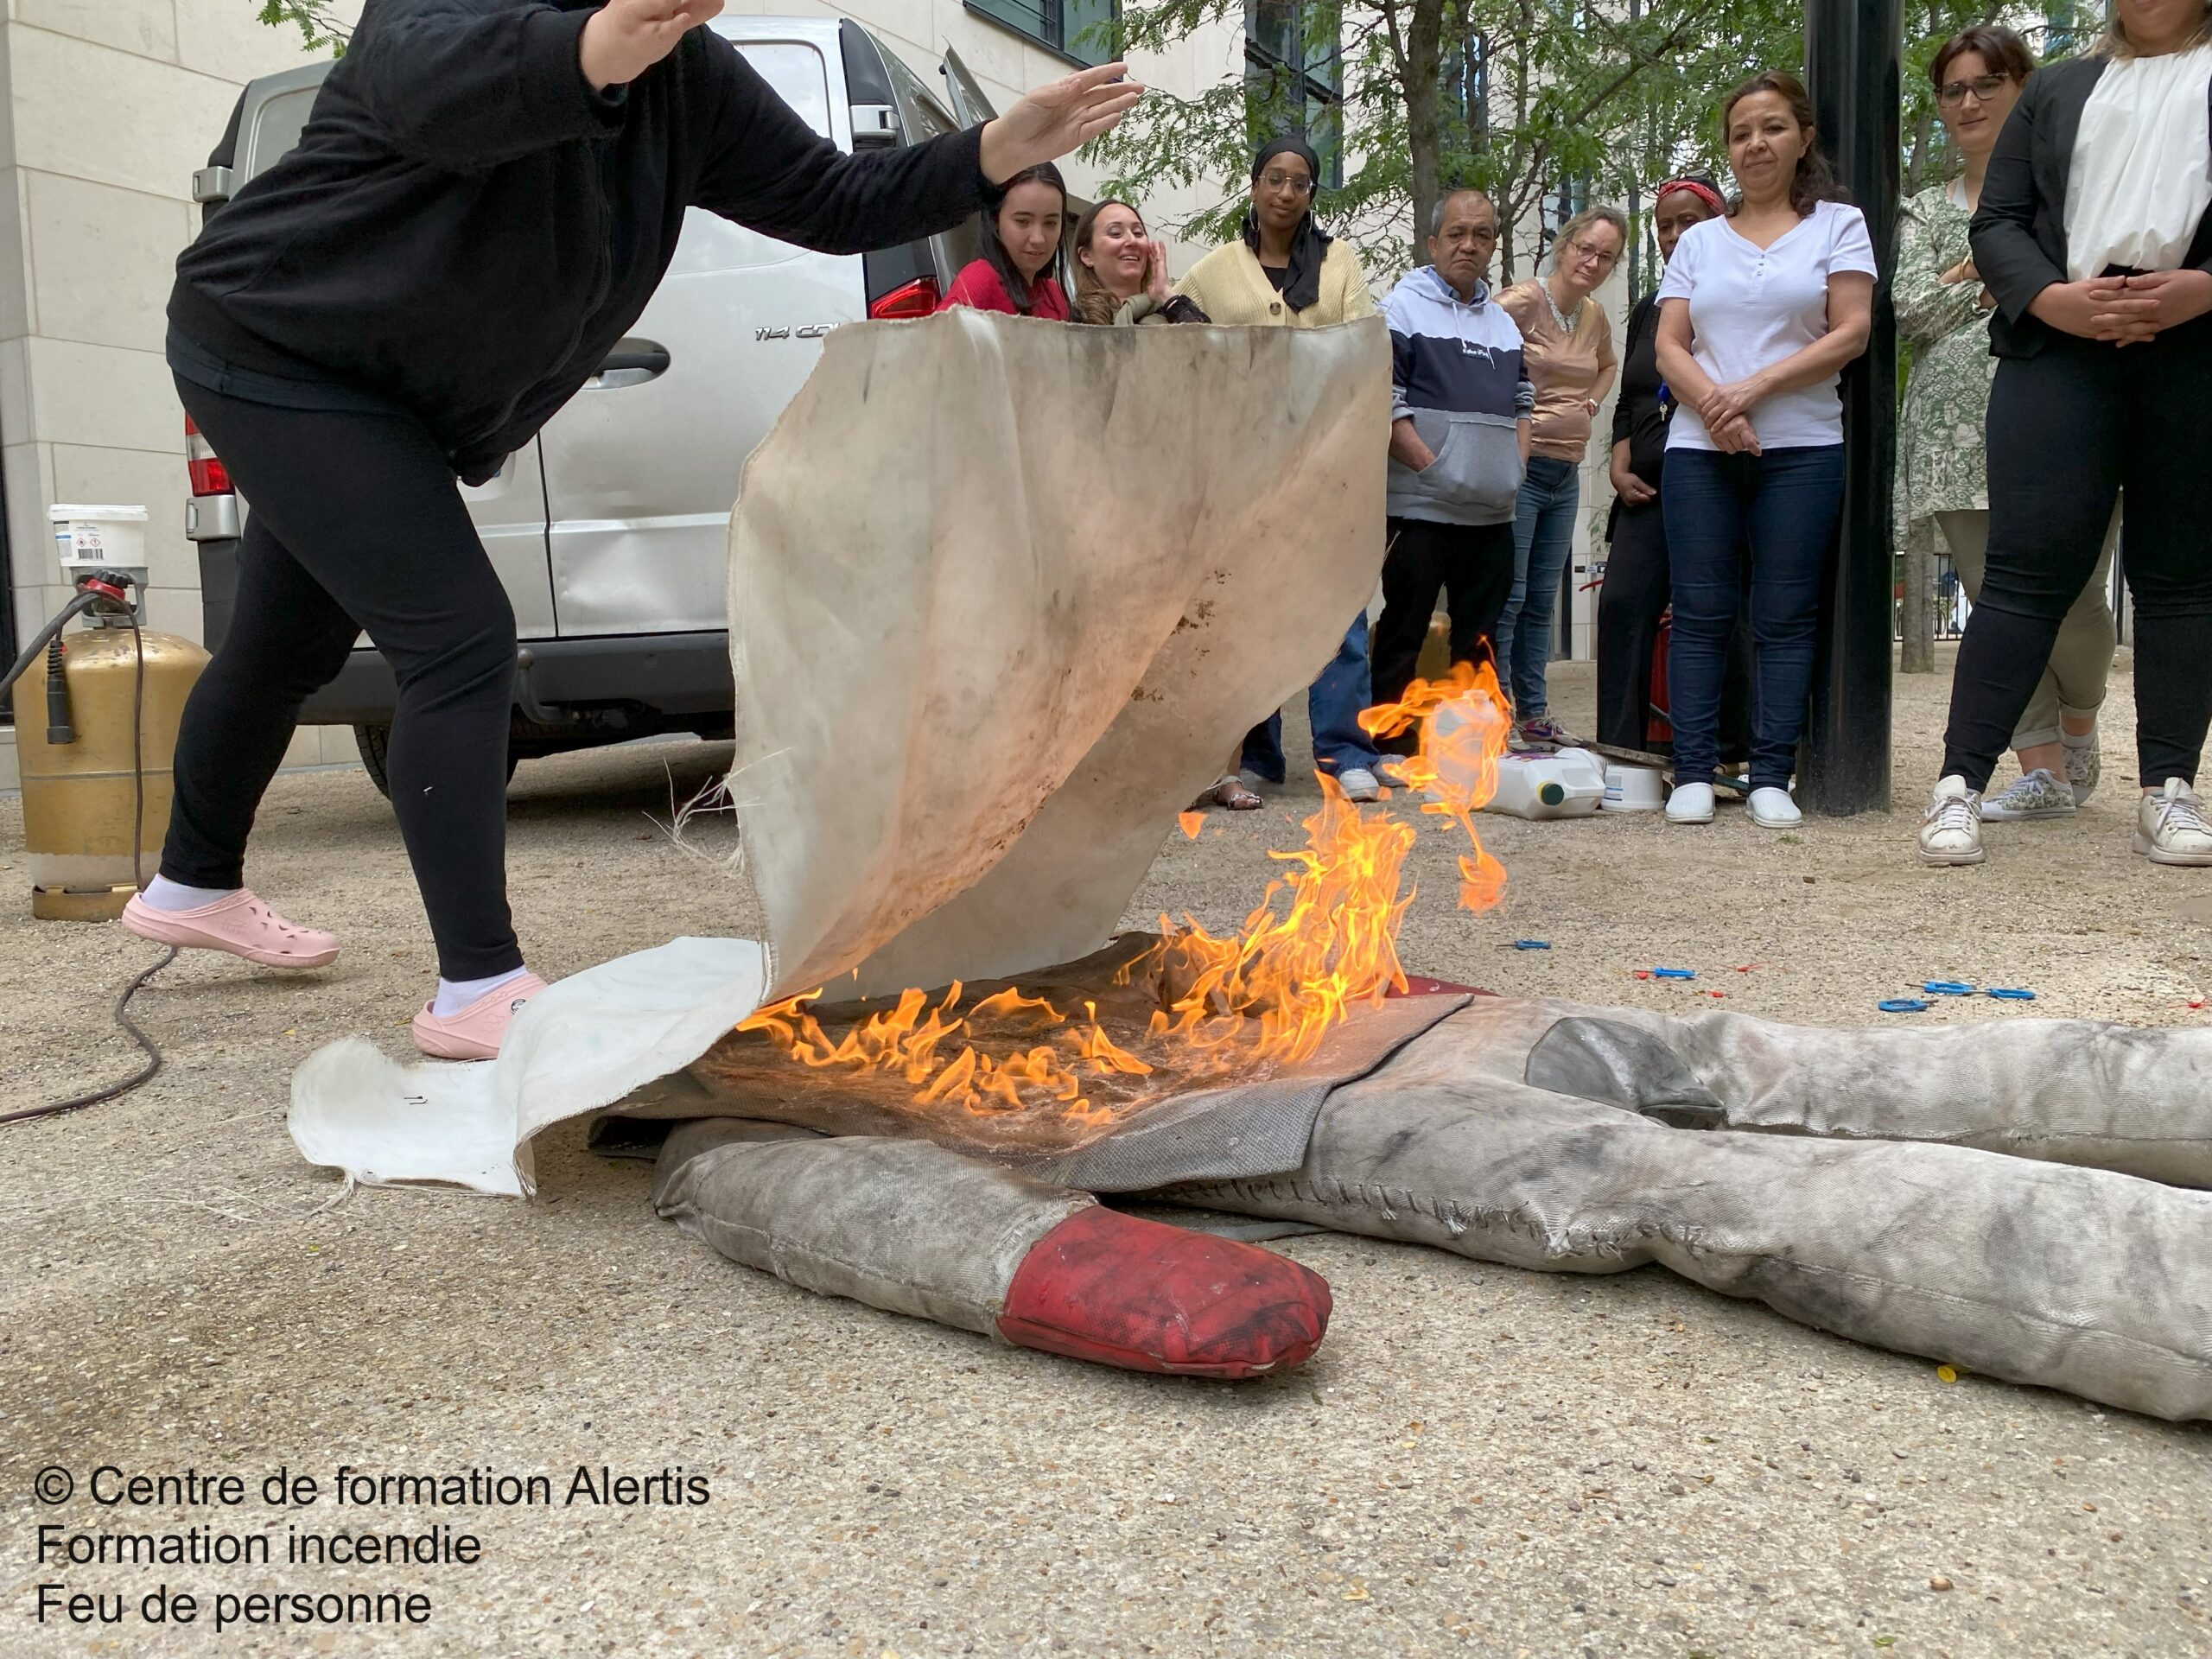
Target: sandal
[1228, 791]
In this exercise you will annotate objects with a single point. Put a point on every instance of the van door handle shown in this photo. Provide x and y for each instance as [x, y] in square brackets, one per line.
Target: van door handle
[632, 363]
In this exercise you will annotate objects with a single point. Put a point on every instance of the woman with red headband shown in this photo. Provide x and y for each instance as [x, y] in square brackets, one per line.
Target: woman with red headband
[1636, 589]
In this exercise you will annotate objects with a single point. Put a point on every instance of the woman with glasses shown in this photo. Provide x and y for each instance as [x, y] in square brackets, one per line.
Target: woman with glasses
[1567, 345]
[2094, 237]
[1285, 272]
[1944, 313]
[1758, 313]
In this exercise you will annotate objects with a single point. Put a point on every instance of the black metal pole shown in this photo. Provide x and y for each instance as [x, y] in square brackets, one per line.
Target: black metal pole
[1852, 52]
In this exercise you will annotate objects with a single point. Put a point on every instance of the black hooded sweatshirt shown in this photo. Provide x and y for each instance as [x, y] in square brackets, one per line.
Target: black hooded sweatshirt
[468, 226]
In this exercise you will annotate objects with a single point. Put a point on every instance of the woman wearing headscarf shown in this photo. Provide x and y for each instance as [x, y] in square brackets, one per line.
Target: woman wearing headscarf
[1284, 271]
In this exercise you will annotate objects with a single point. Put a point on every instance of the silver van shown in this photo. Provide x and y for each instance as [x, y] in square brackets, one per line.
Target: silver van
[609, 531]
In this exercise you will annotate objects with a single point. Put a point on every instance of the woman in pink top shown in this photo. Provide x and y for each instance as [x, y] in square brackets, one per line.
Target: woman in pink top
[1020, 271]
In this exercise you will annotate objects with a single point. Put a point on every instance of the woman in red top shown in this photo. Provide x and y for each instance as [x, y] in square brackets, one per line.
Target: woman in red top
[1020, 271]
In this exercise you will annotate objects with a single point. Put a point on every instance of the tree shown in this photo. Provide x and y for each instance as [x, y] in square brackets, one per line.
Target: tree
[1539, 102]
[319, 30]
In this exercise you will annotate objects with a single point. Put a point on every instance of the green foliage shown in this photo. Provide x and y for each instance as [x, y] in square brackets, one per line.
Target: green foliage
[319, 31]
[1575, 91]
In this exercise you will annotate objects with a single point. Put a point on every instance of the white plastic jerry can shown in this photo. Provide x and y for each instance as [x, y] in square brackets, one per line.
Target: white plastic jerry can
[1568, 784]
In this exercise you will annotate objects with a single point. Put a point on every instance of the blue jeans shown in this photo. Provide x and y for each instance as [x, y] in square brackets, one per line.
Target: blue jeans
[1779, 510]
[1333, 705]
[1543, 535]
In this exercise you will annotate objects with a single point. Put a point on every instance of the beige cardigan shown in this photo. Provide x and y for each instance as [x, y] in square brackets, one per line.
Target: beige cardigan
[1230, 287]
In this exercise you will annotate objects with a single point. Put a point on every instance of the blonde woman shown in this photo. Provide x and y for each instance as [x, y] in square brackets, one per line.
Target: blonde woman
[1567, 347]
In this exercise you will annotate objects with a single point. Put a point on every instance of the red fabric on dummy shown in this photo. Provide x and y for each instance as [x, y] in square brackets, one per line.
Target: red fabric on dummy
[1148, 1297]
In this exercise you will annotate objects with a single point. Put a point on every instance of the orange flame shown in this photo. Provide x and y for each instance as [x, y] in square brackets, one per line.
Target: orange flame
[1271, 992]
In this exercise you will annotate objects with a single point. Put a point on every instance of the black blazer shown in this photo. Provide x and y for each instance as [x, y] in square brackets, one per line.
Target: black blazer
[2019, 228]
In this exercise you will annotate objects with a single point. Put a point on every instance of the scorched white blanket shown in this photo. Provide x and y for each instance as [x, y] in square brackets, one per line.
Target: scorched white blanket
[1003, 596]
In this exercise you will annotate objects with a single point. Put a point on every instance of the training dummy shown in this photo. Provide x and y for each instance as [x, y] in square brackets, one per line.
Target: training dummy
[1021, 690]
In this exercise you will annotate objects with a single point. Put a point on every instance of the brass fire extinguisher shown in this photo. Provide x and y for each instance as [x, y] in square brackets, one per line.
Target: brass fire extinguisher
[96, 725]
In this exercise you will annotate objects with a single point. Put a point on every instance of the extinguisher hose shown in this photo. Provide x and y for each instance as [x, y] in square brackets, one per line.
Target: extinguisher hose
[75, 608]
[122, 1011]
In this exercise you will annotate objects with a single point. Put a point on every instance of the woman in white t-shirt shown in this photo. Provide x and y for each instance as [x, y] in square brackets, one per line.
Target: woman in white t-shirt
[1757, 315]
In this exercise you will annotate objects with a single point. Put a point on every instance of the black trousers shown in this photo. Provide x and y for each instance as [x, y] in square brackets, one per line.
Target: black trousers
[2070, 431]
[356, 523]
[1634, 597]
[1472, 565]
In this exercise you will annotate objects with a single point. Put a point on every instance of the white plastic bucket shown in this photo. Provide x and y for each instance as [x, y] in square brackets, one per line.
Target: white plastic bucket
[88, 538]
[1633, 789]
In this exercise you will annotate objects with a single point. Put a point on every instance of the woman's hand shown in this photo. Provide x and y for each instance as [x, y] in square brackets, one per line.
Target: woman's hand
[1737, 436]
[1733, 402]
[1155, 272]
[2175, 296]
[1626, 485]
[1058, 116]
[2099, 308]
[1962, 272]
[625, 38]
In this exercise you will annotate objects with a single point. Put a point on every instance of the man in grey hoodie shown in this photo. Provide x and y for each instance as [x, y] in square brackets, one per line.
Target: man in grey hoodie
[1460, 406]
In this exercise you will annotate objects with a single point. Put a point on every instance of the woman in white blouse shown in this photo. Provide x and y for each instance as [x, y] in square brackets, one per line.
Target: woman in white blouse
[2094, 237]
[1758, 313]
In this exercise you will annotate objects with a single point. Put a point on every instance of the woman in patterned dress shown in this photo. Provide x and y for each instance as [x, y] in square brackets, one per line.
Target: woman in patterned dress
[1944, 311]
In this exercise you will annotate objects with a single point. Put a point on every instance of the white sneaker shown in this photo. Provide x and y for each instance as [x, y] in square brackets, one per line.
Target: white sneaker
[2083, 764]
[1359, 784]
[2170, 827]
[1950, 830]
[1391, 769]
[2040, 794]
[1690, 803]
[1773, 808]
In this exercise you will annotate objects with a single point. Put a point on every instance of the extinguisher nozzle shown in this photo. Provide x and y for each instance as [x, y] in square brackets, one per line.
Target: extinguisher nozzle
[60, 728]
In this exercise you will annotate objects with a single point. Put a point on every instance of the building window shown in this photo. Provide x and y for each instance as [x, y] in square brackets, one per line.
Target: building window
[1082, 31]
[1294, 76]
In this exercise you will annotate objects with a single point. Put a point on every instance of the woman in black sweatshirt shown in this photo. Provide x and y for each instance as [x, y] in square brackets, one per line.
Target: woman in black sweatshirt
[482, 203]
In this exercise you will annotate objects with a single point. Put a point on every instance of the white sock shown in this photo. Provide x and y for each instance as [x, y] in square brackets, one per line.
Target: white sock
[2077, 740]
[165, 894]
[454, 994]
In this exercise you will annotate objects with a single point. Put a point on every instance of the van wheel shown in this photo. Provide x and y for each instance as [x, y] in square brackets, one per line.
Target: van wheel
[375, 744]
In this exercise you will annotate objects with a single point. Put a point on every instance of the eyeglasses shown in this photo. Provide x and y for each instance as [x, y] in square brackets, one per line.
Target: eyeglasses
[1604, 258]
[1984, 88]
[1297, 183]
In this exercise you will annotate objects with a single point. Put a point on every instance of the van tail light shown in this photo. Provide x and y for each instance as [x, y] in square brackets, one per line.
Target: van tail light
[916, 299]
[209, 476]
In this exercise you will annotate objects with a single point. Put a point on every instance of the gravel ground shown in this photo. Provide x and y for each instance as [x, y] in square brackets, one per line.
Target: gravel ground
[1480, 1460]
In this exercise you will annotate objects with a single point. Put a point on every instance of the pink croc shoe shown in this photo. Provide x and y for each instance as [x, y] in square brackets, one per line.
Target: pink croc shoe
[241, 924]
[477, 1031]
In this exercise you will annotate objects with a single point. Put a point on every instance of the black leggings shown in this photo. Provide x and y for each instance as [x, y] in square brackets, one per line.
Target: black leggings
[355, 523]
[1472, 565]
[2071, 431]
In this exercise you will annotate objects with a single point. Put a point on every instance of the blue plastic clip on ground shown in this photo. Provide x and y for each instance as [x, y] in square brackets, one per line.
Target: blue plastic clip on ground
[1947, 988]
[1674, 973]
[2010, 993]
[1532, 945]
[1901, 1005]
